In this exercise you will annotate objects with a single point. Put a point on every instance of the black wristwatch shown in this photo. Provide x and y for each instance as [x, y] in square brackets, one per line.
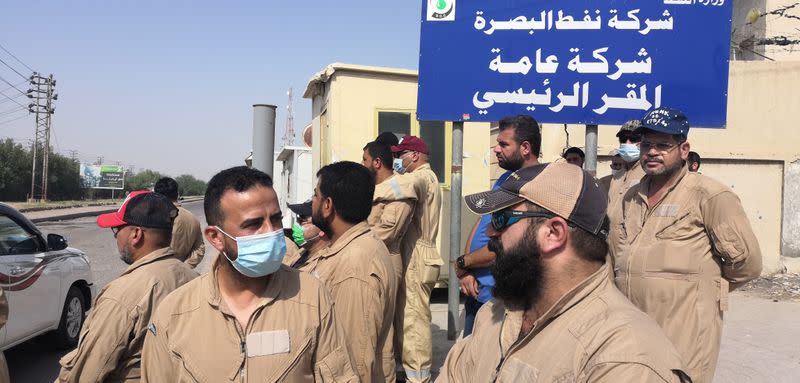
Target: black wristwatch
[460, 262]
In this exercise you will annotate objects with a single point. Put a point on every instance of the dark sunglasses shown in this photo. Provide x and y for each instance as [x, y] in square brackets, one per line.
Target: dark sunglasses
[116, 229]
[505, 218]
[632, 137]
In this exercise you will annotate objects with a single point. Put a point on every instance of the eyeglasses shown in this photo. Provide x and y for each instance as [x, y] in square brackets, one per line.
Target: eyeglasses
[663, 147]
[503, 219]
[403, 153]
[629, 137]
[117, 229]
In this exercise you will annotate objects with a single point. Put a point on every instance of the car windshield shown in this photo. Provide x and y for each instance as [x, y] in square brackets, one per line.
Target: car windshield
[14, 239]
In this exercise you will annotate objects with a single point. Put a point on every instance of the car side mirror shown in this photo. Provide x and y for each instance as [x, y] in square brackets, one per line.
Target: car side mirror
[56, 242]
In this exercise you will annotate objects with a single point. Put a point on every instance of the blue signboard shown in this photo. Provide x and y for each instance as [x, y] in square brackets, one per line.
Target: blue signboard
[574, 61]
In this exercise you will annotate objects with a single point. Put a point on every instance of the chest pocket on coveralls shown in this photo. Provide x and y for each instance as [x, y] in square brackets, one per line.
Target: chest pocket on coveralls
[673, 253]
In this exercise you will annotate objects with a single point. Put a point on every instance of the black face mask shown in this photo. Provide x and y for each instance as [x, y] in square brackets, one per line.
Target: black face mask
[518, 271]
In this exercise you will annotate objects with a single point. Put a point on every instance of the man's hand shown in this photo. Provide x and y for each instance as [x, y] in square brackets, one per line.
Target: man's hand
[469, 285]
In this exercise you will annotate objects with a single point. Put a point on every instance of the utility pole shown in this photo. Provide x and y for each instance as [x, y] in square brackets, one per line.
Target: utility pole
[42, 94]
[288, 134]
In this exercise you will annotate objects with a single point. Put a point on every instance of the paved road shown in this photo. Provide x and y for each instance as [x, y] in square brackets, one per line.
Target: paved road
[760, 338]
[35, 361]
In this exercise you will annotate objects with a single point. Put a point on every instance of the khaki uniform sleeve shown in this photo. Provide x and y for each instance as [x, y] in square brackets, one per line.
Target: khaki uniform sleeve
[156, 359]
[102, 342]
[732, 238]
[456, 367]
[360, 311]
[333, 361]
[198, 250]
[630, 372]
[394, 220]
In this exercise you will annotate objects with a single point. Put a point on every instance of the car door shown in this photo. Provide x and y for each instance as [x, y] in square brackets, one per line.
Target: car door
[31, 282]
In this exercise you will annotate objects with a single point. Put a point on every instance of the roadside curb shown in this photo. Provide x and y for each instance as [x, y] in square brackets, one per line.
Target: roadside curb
[64, 217]
[68, 216]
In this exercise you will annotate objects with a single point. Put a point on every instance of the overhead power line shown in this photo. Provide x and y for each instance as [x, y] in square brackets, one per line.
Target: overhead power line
[11, 85]
[15, 58]
[12, 99]
[13, 119]
[12, 68]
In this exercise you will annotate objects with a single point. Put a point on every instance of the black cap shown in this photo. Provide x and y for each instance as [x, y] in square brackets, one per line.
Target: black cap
[301, 209]
[142, 208]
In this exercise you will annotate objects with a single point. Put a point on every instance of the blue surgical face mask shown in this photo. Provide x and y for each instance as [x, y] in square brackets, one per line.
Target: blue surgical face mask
[259, 254]
[628, 152]
[397, 165]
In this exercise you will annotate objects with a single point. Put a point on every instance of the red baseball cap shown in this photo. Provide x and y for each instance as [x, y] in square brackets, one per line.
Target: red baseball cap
[142, 208]
[412, 143]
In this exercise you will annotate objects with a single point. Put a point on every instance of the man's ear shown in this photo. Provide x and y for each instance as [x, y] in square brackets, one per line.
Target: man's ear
[553, 235]
[525, 148]
[327, 207]
[215, 237]
[685, 148]
[136, 237]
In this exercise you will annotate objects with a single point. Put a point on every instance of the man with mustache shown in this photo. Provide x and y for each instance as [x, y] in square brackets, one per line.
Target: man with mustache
[110, 346]
[518, 146]
[556, 315]
[251, 318]
[685, 242]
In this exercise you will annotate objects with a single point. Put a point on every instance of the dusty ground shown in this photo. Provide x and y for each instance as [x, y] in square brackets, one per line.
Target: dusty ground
[779, 287]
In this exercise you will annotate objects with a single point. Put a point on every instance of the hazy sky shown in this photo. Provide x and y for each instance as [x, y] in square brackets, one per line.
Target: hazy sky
[169, 85]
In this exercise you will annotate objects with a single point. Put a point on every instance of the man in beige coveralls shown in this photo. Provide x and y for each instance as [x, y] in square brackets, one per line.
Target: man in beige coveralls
[187, 238]
[250, 319]
[110, 345]
[356, 267]
[421, 258]
[556, 315]
[685, 242]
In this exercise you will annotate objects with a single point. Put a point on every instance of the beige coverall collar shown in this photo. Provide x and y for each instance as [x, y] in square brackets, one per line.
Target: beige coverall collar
[273, 290]
[645, 188]
[513, 317]
[351, 234]
[150, 258]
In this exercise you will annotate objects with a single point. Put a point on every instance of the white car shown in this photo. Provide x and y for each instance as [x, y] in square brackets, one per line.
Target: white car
[49, 286]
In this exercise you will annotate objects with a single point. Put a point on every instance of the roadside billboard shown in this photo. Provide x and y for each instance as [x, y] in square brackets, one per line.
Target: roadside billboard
[102, 176]
[574, 61]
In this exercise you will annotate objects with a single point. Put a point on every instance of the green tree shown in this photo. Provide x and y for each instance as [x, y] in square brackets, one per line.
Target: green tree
[144, 179]
[15, 171]
[188, 185]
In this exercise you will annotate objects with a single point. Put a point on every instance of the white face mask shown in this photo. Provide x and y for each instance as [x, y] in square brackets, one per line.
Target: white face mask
[259, 254]
[617, 172]
[629, 152]
[397, 165]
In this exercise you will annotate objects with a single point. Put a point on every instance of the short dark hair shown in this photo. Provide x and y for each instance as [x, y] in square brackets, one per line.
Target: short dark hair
[387, 138]
[350, 186]
[526, 128]
[239, 179]
[693, 157]
[167, 187]
[163, 238]
[380, 151]
[575, 150]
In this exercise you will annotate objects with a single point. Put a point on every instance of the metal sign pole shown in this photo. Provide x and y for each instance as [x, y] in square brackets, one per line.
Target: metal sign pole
[455, 229]
[590, 164]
